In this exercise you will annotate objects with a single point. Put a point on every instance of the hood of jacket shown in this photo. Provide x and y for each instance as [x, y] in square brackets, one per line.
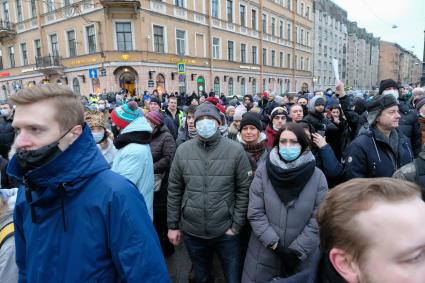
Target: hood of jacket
[71, 169]
[312, 101]
[138, 125]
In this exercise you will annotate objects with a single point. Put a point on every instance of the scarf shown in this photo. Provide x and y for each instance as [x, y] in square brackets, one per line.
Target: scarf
[133, 137]
[255, 150]
[192, 134]
[289, 179]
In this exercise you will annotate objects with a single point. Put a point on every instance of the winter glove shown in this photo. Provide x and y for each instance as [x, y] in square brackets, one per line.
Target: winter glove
[290, 259]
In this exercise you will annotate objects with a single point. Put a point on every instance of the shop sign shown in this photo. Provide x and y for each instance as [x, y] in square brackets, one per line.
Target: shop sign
[83, 62]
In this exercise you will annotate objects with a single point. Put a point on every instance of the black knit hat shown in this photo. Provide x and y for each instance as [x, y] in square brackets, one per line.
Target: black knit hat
[379, 103]
[386, 84]
[155, 100]
[251, 118]
[278, 111]
[207, 109]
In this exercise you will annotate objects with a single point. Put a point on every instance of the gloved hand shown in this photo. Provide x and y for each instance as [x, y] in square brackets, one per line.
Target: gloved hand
[290, 259]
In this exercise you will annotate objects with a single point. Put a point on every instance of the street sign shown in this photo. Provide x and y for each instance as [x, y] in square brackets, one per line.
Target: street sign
[182, 78]
[181, 68]
[93, 73]
[103, 72]
[151, 83]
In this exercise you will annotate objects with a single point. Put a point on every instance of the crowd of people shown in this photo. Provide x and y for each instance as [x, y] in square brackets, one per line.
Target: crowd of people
[110, 185]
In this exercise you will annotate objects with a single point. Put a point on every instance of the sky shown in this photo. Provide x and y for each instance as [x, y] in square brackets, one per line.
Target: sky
[379, 16]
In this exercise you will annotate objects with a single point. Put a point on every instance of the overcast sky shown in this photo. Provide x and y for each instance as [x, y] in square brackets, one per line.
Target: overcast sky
[378, 17]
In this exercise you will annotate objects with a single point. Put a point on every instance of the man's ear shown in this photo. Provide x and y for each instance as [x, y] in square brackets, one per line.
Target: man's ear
[344, 265]
[75, 132]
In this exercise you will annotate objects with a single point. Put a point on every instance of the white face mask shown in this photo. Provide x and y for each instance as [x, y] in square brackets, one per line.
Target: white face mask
[392, 92]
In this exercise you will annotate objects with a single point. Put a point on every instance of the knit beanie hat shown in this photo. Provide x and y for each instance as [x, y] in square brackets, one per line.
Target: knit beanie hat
[377, 105]
[278, 111]
[386, 84]
[155, 117]
[420, 102]
[155, 100]
[239, 111]
[251, 118]
[123, 115]
[207, 109]
[94, 118]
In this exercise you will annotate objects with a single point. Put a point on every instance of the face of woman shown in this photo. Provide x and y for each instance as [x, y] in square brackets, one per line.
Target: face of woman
[335, 113]
[288, 139]
[231, 112]
[250, 134]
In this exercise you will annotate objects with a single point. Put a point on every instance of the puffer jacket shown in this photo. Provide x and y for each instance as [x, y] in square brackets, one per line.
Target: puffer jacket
[163, 148]
[134, 161]
[208, 187]
[370, 155]
[7, 136]
[85, 223]
[8, 267]
[295, 225]
[410, 127]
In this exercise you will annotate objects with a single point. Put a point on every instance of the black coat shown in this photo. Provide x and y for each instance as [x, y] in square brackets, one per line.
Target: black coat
[320, 123]
[7, 136]
[339, 139]
[355, 120]
[410, 127]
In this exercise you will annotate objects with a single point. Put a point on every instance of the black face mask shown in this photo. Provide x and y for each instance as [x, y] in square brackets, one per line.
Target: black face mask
[115, 130]
[32, 159]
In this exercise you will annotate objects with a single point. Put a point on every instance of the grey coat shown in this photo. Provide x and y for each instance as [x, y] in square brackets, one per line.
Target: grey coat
[8, 267]
[208, 187]
[295, 225]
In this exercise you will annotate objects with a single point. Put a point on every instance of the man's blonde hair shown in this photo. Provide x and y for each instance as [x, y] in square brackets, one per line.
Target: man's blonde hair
[69, 110]
[336, 215]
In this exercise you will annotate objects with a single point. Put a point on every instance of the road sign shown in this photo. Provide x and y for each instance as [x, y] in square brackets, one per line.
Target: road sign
[103, 72]
[151, 83]
[181, 68]
[93, 73]
[182, 78]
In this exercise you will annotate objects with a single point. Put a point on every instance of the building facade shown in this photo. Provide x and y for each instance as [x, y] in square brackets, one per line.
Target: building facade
[399, 64]
[231, 46]
[330, 43]
[362, 58]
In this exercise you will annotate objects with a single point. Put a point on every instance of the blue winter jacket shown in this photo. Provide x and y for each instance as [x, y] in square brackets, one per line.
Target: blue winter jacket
[134, 161]
[369, 156]
[77, 221]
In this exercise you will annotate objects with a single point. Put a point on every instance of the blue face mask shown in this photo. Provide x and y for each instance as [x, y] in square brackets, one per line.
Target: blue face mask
[98, 137]
[206, 128]
[290, 153]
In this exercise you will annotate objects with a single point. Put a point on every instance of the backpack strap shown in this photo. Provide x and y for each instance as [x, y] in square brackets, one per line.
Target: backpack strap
[6, 232]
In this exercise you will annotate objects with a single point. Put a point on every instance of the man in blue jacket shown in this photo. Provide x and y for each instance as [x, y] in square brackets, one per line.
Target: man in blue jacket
[382, 148]
[75, 219]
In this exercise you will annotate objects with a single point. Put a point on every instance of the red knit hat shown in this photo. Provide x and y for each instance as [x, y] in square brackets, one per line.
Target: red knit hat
[123, 115]
[155, 117]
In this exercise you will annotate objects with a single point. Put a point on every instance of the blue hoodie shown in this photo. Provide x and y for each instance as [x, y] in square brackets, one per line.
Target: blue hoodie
[84, 223]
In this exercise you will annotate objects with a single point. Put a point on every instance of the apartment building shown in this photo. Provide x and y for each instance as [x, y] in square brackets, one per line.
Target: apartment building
[330, 32]
[231, 46]
[399, 64]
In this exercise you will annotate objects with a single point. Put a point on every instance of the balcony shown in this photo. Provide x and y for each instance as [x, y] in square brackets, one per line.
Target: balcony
[134, 4]
[7, 29]
[49, 65]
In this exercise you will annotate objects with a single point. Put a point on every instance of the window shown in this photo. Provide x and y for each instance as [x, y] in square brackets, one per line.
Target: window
[273, 26]
[302, 63]
[302, 9]
[72, 49]
[179, 3]
[264, 23]
[66, 3]
[289, 31]
[229, 10]
[281, 29]
[12, 56]
[307, 14]
[243, 87]
[243, 53]
[254, 86]
[230, 87]
[24, 54]
[6, 10]
[308, 64]
[273, 58]
[214, 8]
[54, 45]
[297, 39]
[242, 15]
[264, 56]
[124, 36]
[37, 48]
[91, 39]
[302, 36]
[1, 61]
[181, 41]
[307, 37]
[281, 59]
[230, 50]
[217, 85]
[216, 48]
[158, 39]
[50, 5]
[76, 86]
[19, 10]
[289, 4]
[264, 84]
[254, 55]
[33, 9]
[288, 61]
[254, 19]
